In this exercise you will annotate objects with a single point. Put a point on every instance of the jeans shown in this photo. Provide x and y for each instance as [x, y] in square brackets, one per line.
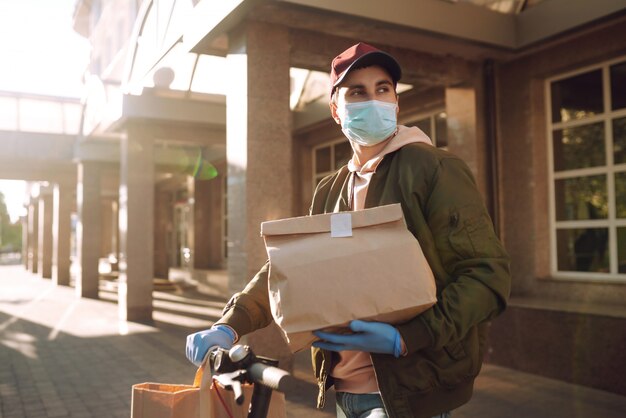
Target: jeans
[369, 405]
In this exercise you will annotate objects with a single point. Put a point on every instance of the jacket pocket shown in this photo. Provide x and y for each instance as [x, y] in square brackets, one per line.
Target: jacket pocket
[457, 362]
[471, 233]
[426, 369]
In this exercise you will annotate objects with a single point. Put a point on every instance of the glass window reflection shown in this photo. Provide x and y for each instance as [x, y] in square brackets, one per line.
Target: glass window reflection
[343, 153]
[424, 125]
[619, 140]
[620, 195]
[584, 250]
[579, 147]
[618, 86]
[621, 250]
[581, 198]
[322, 160]
[435, 127]
[577, 97]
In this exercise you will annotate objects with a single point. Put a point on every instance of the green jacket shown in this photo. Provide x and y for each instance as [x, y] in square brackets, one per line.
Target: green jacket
[445, 212]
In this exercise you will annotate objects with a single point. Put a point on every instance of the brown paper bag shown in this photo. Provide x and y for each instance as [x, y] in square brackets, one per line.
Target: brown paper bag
[326, 270]
[203, 399]
[161, 400]
[217, 409]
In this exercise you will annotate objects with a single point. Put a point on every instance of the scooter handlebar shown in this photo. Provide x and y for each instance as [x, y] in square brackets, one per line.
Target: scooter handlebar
[259, 369]
[270, 376]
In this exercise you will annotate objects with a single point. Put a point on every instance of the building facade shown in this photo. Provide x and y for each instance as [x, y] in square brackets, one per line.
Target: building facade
[202, 119]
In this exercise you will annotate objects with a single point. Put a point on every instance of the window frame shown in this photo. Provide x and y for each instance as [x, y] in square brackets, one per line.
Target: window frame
[410, 119]
[315, 176]
[609, 169]
[431, 115]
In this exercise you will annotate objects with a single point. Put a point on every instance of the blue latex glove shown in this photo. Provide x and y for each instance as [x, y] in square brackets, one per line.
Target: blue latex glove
[200, 343]
[372, 337]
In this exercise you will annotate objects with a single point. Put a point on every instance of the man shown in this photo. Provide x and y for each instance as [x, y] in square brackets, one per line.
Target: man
[426, 366]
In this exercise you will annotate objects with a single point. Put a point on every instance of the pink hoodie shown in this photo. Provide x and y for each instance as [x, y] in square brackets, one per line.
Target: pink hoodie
[365, 172]
[353, 371]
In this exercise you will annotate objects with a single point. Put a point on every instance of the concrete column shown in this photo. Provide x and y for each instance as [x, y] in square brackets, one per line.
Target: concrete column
[189, 226]
[106, 245]
[162, 224]
[45, 235]
[88, 229]
[33, 236]
[136, 224]
[115, 243]
[466, 132]
[208, 224]
[200, 225]
[61, 234]
[259, 156]
[259, 143]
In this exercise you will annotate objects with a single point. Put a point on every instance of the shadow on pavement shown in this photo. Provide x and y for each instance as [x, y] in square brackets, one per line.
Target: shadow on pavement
[65, 356]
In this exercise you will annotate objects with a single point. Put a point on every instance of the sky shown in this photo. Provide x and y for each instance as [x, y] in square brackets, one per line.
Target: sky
[39, 53]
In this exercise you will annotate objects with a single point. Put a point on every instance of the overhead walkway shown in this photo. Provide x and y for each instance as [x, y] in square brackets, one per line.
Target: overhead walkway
[38, 136]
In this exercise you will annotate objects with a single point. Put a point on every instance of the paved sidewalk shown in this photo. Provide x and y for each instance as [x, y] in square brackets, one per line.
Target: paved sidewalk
[61, 356]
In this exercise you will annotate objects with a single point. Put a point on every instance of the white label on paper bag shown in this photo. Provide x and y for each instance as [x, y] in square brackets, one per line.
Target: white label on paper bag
[341, 225]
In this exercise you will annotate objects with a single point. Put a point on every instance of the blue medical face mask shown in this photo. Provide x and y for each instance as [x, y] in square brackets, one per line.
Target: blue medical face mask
[368, 123]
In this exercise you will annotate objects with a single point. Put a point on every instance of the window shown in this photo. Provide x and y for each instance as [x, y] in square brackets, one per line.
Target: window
[435, 126]
[587, 161]
[330, 157]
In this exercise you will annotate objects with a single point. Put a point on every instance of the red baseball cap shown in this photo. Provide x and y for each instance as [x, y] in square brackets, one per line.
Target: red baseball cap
[359, 56]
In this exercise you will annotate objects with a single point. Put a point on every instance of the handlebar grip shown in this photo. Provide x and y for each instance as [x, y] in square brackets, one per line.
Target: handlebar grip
[272, 377]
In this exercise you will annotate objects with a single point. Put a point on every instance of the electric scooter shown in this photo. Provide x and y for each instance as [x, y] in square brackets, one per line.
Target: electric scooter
[239, 365]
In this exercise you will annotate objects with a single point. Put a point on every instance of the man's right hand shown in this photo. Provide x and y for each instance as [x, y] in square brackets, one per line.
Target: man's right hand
[200, 343]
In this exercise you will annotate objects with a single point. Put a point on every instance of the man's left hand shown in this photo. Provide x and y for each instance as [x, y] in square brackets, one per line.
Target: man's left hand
[372, 337]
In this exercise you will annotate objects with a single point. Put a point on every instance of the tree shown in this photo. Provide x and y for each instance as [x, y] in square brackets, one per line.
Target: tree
[10, 233]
